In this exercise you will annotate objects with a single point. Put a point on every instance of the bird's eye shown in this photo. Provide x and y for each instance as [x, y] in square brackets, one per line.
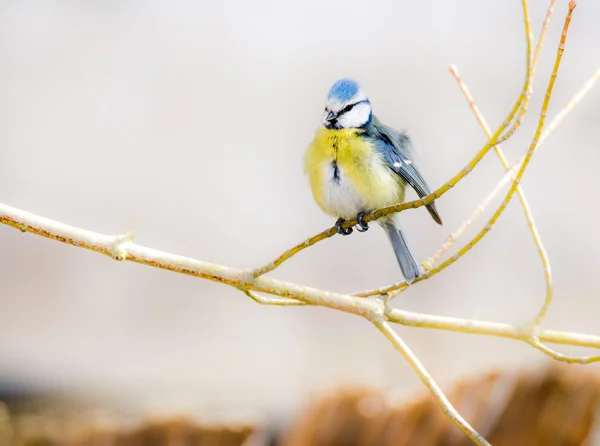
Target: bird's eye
[347, 108]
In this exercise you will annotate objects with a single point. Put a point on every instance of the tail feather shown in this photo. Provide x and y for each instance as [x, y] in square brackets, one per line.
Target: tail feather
[434, 213]
[409, 266]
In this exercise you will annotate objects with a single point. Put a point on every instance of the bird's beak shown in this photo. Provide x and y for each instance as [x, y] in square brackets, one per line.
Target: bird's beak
[331, 116]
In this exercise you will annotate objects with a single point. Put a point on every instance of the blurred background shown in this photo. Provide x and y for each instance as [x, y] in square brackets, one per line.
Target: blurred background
[186, 124]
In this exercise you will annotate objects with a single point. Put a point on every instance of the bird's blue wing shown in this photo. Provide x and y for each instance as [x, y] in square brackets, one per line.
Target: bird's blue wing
[397, 151]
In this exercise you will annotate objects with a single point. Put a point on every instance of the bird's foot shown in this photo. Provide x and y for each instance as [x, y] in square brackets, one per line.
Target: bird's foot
[362, 225]
[340, 230]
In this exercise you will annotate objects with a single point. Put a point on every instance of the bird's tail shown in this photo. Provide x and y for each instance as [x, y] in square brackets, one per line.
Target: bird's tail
[409, 266]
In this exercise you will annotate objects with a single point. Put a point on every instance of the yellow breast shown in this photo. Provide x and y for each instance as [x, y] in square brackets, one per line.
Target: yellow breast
[347, 175]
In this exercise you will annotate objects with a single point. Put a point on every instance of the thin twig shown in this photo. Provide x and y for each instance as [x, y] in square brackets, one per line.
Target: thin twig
[521, 194]
[520, 104]
[535, 343]
[429, 263]
[452, 238]
[516, 181]
[537, 320]
[430, 383]
[531, 70]
[541, 40]
[532, 61]
[572, 103]
[527, 87]
[281, 302]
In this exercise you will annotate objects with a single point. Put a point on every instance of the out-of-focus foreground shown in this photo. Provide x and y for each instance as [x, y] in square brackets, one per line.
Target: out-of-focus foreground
[553, 406]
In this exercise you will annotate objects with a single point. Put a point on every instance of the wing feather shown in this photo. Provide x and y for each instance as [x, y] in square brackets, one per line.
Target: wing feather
[396, 149]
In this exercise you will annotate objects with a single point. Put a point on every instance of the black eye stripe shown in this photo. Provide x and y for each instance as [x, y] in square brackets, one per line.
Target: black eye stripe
[349, 107]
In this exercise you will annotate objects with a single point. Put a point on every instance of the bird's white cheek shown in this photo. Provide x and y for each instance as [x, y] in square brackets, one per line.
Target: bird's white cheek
[356, 117]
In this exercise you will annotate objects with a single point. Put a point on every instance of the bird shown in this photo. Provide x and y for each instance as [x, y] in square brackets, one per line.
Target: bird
[355, 164]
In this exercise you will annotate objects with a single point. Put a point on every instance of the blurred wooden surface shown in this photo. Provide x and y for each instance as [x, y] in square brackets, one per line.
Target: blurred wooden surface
[554, 405]
[44, 431]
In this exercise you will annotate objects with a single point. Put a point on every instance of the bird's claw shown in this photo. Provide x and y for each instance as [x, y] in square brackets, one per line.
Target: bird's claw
[362, 225]
[340, 230]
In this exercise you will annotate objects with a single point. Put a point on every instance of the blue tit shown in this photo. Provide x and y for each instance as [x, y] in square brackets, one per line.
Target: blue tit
[356, 165]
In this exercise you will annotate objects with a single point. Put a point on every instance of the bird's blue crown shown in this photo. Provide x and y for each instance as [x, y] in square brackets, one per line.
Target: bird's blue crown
[343, 90]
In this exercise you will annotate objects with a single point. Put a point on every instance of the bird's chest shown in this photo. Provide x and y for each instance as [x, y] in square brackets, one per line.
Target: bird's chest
[347, 174]
[341, 195]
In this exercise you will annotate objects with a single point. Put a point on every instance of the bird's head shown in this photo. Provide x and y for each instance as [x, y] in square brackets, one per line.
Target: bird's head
[347, 106]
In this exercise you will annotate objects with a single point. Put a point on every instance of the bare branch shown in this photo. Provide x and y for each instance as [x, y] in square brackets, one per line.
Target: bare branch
[238, 278]
[497, 329]
[429, 382]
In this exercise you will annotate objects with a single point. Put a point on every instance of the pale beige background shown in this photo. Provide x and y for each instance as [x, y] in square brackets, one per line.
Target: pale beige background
[186, 122]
